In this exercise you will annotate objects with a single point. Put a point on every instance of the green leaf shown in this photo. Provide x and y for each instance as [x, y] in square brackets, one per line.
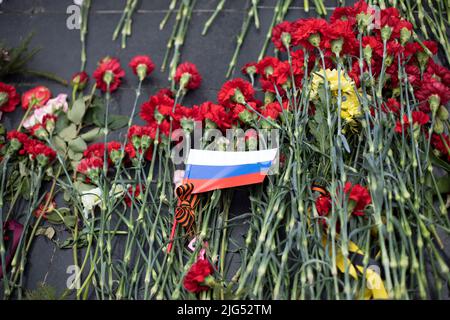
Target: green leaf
[439, 162]
[93, 134]
[61, 123]
[81, 187]
[59, 144]
[77, 145]
[116, 121]
[76, 113]
[443, 184]
[73, 155]
[69, 133]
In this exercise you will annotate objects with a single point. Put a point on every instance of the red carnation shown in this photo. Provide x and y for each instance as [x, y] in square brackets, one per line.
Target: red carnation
[87, 165]
[114, 151]
[323, 205]
[130, 194]
[281, 35]
[442, 144]
[9, 99]
[341, 38]
[142, 66]
[95, 150]
[109, 71]
[156, 108]
[249, 69]
[438, 73]
[37, 150]
[392, 105]
[344, 14]
[419, 118]
[186, 117]
[215, 115]
[267, 66]
[140, 138]
[271, 110]
[298, 62]
[17, 141]
[235, 91]
[310, 33]
[36, 97]
[194, 281]
[359, 197]
[432, 93]
[38, 131]
[187, 76]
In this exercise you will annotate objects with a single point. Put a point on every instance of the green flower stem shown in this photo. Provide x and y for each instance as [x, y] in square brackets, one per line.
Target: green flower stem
[172, 6]
[211, 19]
[85, 7]
[239, 40]
[6, 289]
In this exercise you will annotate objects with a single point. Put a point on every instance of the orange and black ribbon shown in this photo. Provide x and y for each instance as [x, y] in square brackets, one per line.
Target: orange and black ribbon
[185, 211]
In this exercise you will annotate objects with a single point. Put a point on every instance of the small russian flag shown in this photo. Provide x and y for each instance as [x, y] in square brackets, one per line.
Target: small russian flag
[210, 170]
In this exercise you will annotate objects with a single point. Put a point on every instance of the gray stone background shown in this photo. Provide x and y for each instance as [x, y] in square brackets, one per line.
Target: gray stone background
[60, 54]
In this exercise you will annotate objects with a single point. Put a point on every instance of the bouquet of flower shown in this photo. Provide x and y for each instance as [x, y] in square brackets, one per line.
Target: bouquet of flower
[356, 210]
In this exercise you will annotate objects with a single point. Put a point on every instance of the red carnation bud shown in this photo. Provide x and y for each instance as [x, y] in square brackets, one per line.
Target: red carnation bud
[79, 80]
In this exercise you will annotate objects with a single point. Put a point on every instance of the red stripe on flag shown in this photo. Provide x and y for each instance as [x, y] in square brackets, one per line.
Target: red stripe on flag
[204, 185]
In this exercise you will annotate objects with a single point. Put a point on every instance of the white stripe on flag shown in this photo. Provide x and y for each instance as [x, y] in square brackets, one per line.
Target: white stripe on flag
[229, 158]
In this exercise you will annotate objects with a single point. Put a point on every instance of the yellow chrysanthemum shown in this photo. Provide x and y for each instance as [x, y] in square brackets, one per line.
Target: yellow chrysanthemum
[350, 107]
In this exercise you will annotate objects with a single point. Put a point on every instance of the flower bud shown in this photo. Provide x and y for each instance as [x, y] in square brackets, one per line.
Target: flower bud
[209, 124]
[238, 96]
[336, 46]
[108, 77]
[50, 125]
[442, 113]
[187, 124]
[367, 51]
[363, 20]
[79, 80]
[246, 116]
[268, 97]
[386, 33]
[185, 80]
[141, 71]
[314, 39]
[42, 160]
[15, 145]
[136, 141]
[40, 132]
[405, 35]
[159, 117]
[115, 156]
[286, 39]
[251, 70]
[434, 101]
[438, 126]
[422, 58]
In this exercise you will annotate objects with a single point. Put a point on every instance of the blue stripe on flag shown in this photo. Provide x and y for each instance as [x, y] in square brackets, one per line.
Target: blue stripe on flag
[194, 171]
